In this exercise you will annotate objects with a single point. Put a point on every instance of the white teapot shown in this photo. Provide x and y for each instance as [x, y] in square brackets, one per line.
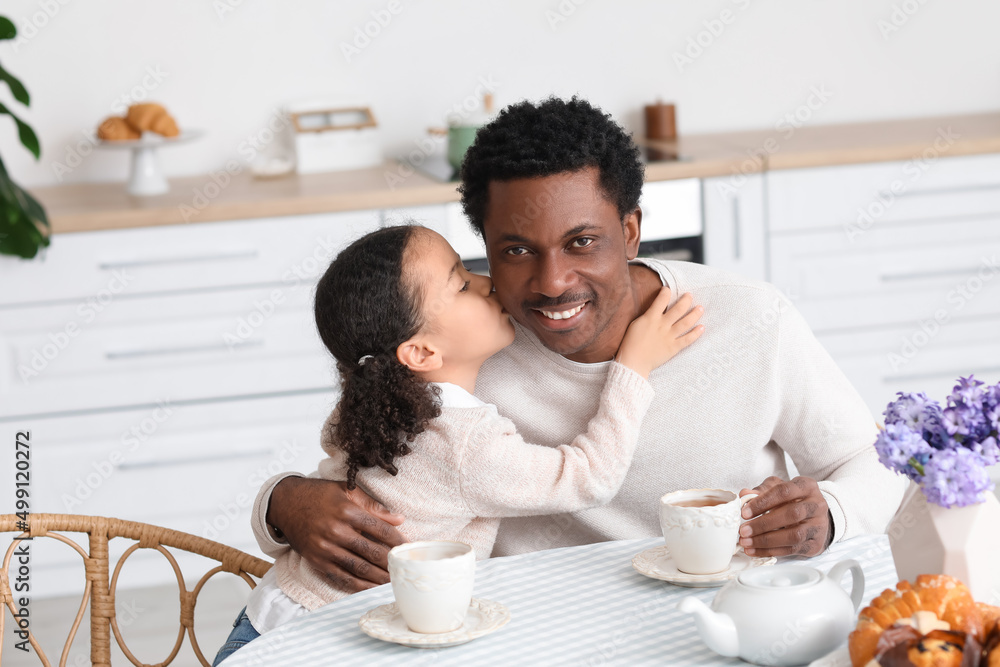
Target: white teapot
[780, 614]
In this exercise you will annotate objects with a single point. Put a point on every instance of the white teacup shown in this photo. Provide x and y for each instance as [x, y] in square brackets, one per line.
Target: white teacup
[432, 582]
[701, 528]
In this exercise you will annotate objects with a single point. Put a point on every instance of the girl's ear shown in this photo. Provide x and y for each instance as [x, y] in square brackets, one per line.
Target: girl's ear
[419, 355]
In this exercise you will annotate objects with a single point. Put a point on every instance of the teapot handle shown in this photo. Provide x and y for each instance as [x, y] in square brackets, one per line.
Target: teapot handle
[836, 573]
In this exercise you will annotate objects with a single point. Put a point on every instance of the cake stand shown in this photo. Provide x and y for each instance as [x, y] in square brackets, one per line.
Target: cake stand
[145, 176]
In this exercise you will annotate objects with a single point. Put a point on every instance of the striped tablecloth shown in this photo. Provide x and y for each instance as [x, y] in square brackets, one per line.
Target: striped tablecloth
[572, 606]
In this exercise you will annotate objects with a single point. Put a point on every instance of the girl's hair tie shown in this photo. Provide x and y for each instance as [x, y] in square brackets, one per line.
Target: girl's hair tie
[362, 360]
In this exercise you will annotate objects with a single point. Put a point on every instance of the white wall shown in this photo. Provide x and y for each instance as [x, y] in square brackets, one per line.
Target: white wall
[226, 70]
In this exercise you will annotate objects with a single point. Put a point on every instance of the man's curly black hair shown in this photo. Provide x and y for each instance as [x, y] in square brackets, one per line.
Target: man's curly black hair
[555, 136]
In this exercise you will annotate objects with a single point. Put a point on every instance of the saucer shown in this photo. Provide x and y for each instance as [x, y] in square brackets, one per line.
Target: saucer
[386, 623]
[656, 563]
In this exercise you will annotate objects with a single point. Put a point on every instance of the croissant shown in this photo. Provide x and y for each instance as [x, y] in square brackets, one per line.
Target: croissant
[991, 617]
[116, 128]
[947, 598]
[991, 650]
[152, 118]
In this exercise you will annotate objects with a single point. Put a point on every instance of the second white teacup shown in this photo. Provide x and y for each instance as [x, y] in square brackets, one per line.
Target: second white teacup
[432, 582]
[701, 528]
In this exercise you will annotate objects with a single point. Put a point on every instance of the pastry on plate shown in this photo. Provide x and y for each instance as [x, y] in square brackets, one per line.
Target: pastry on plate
[116, 128]
[150, 117]
[936, 602]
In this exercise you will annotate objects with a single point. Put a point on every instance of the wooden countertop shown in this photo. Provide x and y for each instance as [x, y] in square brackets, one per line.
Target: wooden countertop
[94, 206]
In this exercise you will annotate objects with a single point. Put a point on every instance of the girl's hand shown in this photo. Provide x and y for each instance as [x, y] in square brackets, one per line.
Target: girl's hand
[659, 334]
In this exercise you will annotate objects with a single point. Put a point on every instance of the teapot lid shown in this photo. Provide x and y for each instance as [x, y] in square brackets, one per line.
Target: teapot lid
[780, 577]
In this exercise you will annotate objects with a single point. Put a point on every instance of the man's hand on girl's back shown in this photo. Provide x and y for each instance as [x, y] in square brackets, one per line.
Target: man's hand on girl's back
[345, 534]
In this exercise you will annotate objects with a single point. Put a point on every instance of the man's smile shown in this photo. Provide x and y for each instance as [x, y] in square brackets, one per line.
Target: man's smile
[562, 317]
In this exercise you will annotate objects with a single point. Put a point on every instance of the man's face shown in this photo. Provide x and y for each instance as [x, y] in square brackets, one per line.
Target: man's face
[558, 256]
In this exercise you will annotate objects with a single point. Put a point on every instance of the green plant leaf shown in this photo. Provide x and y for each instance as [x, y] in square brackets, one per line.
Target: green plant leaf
[16, 87]
[20, 197]
[7, 29]
[7, 193]
[32, 207]
[24, 131]
[24, 226]
[20, 238]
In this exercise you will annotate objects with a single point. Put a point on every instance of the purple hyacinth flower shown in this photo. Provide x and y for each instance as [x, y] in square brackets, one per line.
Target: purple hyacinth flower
[968, 392]
[989, 450]
[898, 446]
[908, 409]
[955, 478]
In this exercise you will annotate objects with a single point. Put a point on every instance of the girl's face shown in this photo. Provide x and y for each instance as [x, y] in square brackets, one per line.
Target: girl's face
[462, 315]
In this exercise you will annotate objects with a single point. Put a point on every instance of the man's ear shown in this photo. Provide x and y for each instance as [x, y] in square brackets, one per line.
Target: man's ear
[632, 225]
[419, 355]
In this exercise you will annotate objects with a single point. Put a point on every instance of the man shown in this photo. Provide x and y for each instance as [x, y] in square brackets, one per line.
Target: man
[554, 189]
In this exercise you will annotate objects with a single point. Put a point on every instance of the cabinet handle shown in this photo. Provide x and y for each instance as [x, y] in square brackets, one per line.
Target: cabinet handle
[926, 376]
[947, 190]
[166, 351]
[167, 463]
[737, 224]
[925, 275]
[189, 259]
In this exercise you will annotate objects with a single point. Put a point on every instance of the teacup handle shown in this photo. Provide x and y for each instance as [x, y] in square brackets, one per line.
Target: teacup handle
[836, 573]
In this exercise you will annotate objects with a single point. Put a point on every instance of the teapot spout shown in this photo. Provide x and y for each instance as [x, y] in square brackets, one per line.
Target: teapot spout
[717, 630]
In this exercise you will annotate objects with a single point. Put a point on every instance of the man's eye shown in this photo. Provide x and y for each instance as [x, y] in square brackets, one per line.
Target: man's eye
[465, 287]
[517, 251]
[582, 242]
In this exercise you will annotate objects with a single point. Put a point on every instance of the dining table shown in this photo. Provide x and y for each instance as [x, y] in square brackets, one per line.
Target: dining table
[580, 605]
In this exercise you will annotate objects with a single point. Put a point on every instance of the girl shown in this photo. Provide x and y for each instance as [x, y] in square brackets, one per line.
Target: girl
[409, 327]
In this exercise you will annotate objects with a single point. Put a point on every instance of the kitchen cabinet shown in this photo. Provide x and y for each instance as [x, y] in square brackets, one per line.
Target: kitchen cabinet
[894, 265]
[734, 234]
[193, 466]
[172, 362]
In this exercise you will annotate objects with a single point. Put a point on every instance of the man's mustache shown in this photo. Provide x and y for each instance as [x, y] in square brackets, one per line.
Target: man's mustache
[564, 300]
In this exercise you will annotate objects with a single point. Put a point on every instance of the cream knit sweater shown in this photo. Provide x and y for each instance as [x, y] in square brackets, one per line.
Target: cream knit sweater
[470, 468]
[756, 386]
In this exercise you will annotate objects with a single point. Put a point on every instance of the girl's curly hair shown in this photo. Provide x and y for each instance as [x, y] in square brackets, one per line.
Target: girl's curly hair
[365, 308]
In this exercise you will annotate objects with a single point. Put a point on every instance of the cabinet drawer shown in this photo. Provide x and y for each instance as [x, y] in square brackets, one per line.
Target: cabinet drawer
[899, 274]
[196, 469]
[198, 473]
[860, 196]
[927, 358]
[127, 263]
[137, 364]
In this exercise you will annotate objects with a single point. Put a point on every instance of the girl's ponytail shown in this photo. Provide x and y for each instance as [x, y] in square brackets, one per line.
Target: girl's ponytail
[383, 407]
[364, 310]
